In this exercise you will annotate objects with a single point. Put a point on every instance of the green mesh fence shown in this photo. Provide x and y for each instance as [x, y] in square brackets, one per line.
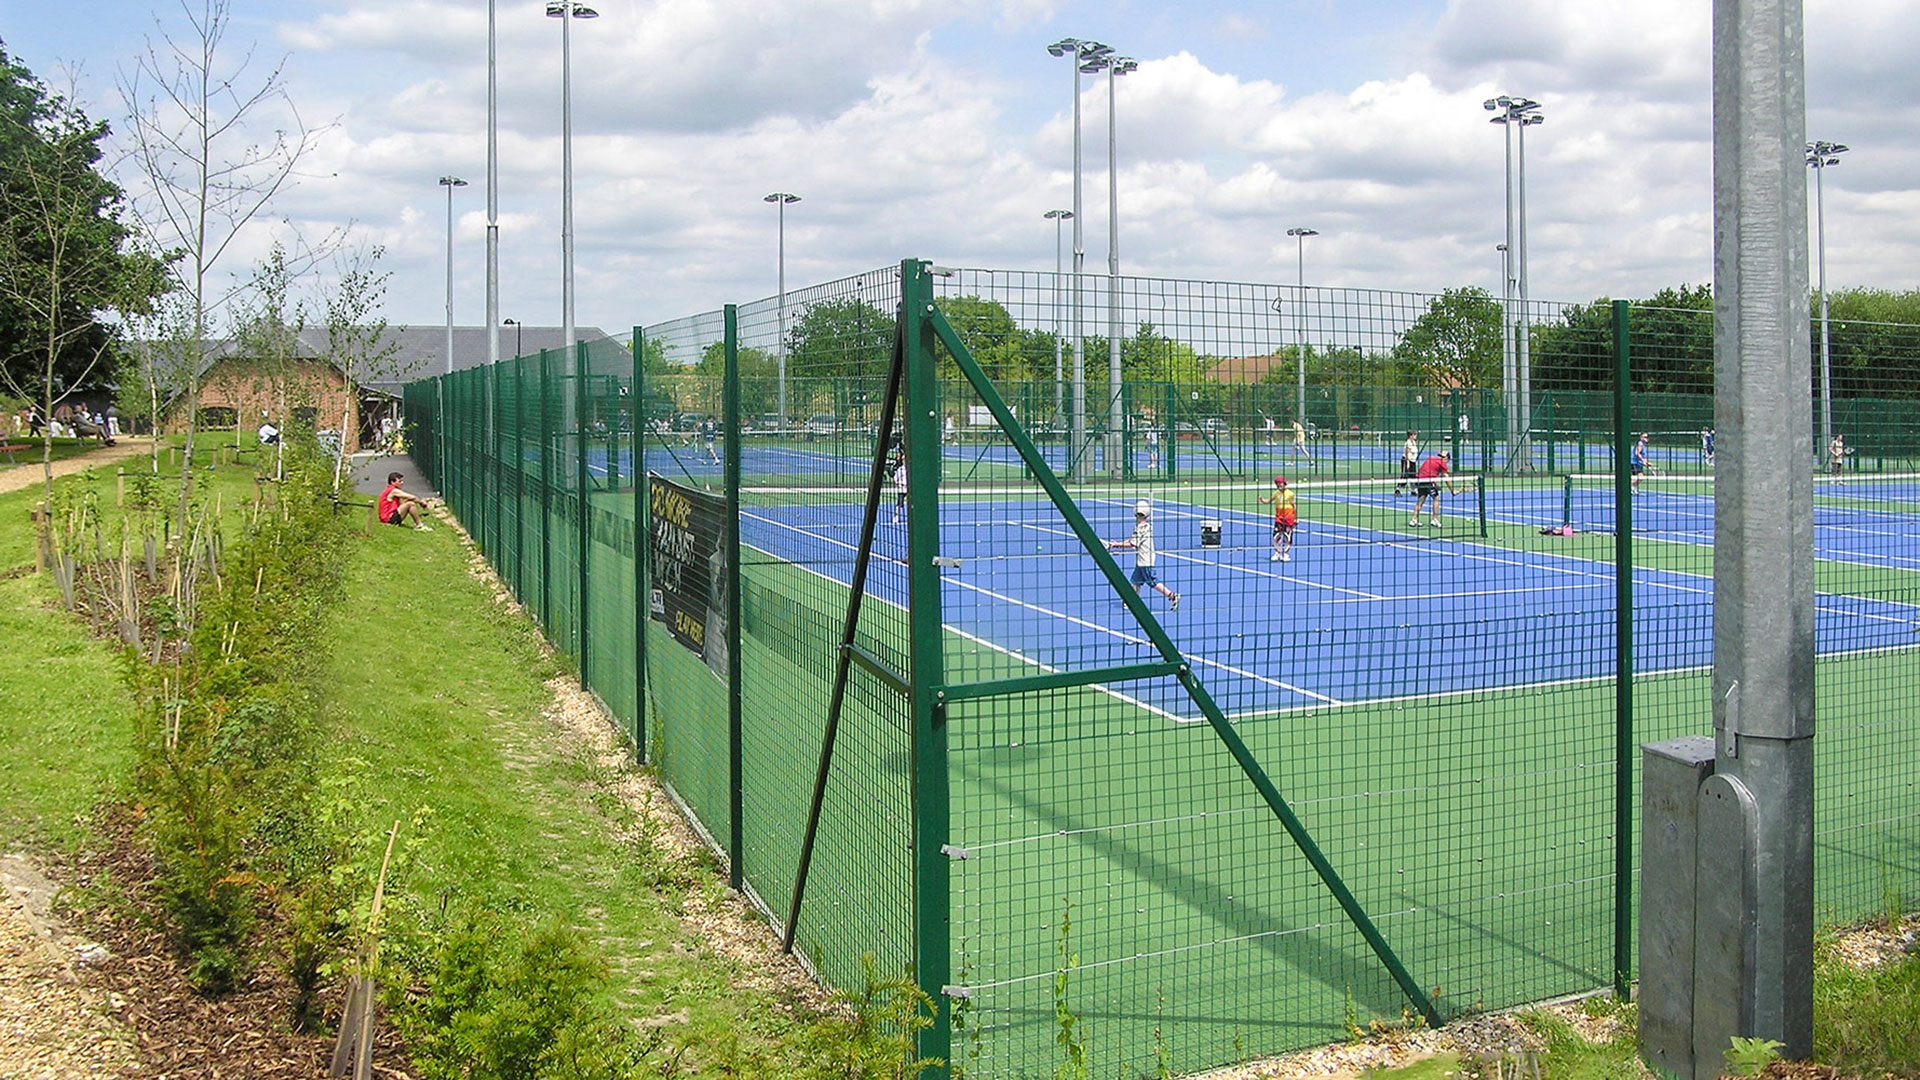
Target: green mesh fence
[1372, 763]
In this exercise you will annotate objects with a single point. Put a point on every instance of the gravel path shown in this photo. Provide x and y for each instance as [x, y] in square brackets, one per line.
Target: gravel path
[52, 1025]
[27, 474]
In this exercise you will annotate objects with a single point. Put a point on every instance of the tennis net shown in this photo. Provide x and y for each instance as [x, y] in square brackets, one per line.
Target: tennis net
[1663, 503]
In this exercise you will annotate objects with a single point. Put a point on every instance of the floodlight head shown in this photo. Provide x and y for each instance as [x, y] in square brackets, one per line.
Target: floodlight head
[452, 182]
[560, 9]
[1093, 50]
[1061, 214]
[1062, 47]
[781, 197]
[1301, 231]
[1121, 65]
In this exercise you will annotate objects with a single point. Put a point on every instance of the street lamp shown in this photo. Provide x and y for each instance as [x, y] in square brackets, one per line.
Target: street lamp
[780, 199]
[567, 11]
[1820, 155]
[515, 323]
[450, 182]
[1059, 384]
[1114, 66]
[1081, 52]
[1510, 113]
[1300, 235]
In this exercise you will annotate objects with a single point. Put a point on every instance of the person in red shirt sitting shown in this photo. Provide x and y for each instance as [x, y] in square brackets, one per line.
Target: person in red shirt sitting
[1427, 485]
[399, 507]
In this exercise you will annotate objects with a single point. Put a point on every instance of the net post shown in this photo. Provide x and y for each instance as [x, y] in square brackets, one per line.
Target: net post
[1480, 493]
[736, 778]
[584, 525]
[1624, 756]
[932, 914]
[1566, 501]
[638, 440]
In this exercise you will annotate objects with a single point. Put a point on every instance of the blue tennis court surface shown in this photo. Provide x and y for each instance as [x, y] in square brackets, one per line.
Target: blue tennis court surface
[1358, 615]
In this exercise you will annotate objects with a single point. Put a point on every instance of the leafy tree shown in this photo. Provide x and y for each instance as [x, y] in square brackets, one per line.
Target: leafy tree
[1874, 343]
[1672, 342]
[1455, 343]
[269, 338]
[67, 260]
[759, 377]
[839, 338]
[357, 332]
[194, 108]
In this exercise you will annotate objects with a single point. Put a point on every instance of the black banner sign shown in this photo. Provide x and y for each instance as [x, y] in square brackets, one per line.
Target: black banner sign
[689, 572]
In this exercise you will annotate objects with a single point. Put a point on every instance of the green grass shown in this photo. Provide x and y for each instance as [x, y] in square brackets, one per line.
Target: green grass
[1867, 1021]
[438, 692]
[68, 742]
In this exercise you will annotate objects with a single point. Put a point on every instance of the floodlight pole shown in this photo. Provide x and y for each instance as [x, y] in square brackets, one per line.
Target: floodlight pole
[1820, 155]
[1081, 52]
[1754, 936]
[450, 182]
[1115, 66]
[567, 11]
[780, 199]
[1300, 235]
[1515, 370]
[1059, 376]
[493, 196]
[1523, 336]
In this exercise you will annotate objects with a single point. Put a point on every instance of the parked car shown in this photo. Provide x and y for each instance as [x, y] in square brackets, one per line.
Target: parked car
[767, 421]
[823, 424]
[1214, 427]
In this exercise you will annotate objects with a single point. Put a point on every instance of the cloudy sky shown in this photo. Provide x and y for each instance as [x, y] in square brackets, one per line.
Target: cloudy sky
[942, 128]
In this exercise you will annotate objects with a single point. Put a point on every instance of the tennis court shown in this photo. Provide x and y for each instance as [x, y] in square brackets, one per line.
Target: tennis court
[1375, 635]
[1439, 707]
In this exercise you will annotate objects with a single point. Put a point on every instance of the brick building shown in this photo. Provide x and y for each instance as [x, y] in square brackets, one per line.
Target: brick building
[311, 390]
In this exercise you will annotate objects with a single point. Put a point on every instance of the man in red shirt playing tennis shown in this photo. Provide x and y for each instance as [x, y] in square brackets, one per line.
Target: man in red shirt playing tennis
[399, 507]
[1427, 485]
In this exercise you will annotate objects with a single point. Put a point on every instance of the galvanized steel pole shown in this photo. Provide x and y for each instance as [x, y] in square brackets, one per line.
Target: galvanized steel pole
[1754, 927]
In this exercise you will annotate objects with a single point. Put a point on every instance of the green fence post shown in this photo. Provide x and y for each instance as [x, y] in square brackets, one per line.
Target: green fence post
[1167, 431]
[495, 519]
[932, 912]
[1624, 755]
[736, 775]
[546, 496]
[583, 536]
[641, 545]
[520, 480]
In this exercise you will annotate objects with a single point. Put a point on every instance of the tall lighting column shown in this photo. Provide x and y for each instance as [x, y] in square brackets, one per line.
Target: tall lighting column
[1059, 376]
[493, 203]
[1081, 52]
[1511, 113]
[450, 182]
[1114, 66]
[567, 11]
[1300, 235]
[780, 199]
[1820, 155]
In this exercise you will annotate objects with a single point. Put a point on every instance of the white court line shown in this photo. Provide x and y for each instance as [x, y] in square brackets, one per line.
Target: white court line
[1003, 650]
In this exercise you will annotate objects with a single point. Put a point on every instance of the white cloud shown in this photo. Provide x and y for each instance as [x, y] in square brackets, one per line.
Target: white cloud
[916, 127]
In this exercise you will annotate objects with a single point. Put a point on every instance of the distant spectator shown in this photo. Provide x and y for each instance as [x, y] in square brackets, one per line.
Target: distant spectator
[399, 507]
[269, 434]
[36, 424]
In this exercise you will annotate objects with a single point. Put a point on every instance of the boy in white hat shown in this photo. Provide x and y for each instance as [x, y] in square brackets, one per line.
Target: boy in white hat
[1143, 555]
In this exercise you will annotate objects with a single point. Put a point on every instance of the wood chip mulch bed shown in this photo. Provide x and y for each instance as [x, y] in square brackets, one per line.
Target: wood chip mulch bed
[177, 1032]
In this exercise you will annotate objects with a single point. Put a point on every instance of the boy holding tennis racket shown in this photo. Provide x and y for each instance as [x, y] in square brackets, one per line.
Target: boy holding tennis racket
[1143, 554]
[1285, 517]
